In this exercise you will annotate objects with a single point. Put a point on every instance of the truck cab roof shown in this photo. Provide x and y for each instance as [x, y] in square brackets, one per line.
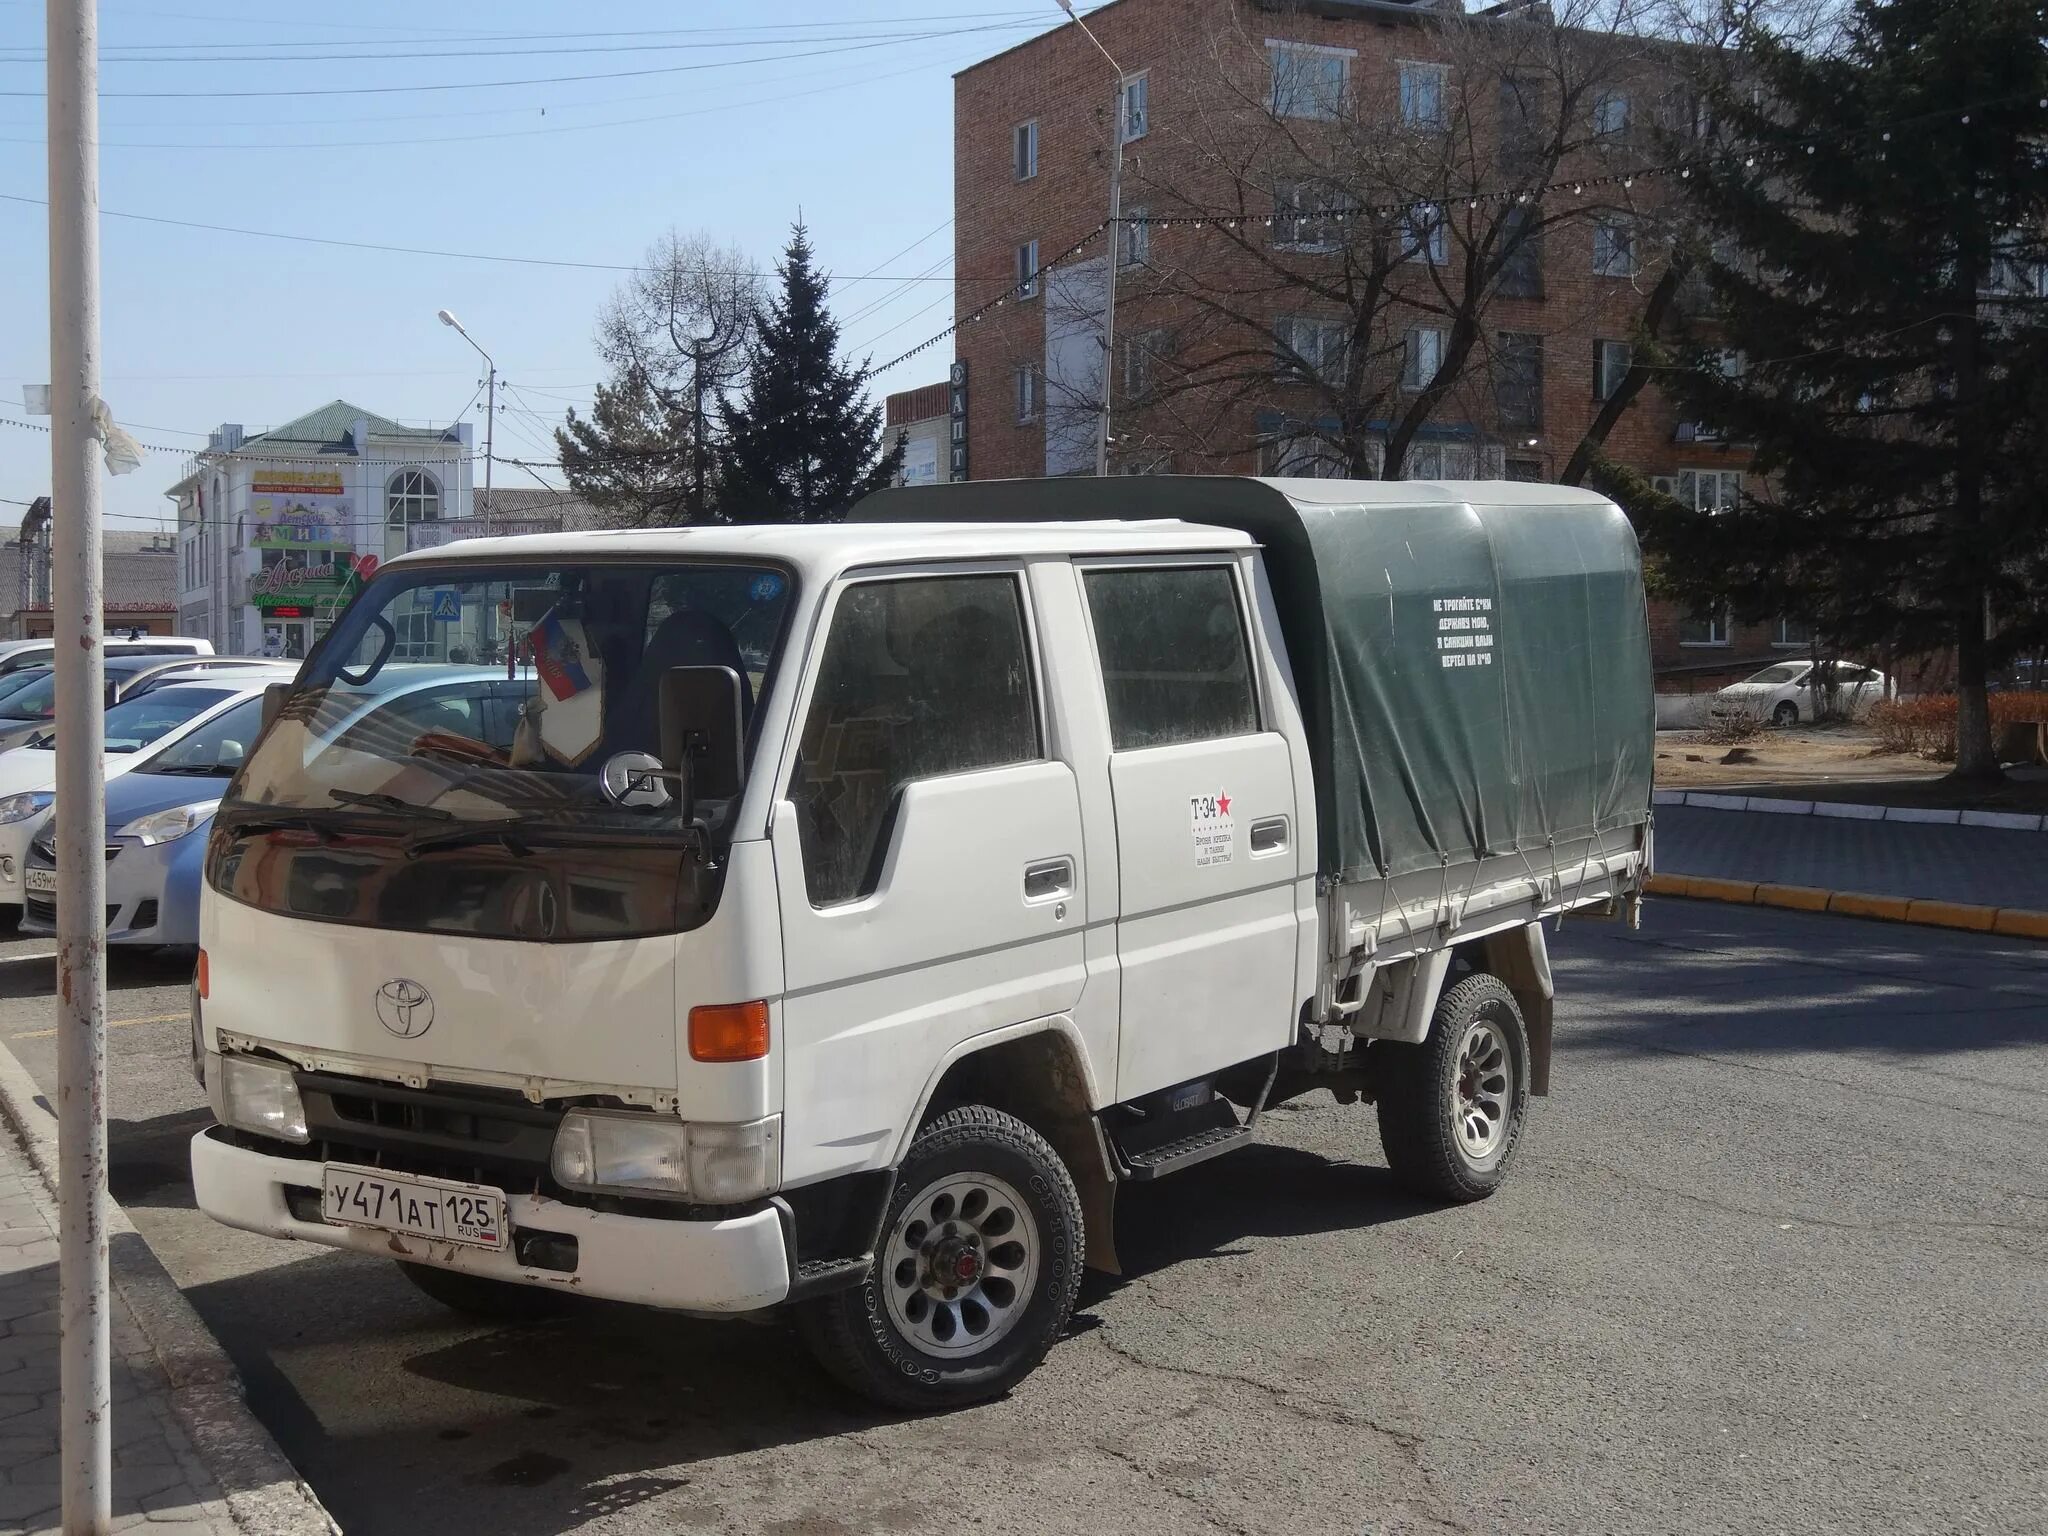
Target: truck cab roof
[825, 548]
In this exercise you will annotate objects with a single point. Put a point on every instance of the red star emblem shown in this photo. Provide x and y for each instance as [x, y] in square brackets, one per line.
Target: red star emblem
[1223, 805]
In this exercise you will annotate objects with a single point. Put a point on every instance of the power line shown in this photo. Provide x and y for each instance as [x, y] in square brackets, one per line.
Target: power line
[491, 85]
[414, 250]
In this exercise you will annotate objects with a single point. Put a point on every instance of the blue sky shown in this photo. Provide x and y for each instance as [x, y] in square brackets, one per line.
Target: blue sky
[840, 108]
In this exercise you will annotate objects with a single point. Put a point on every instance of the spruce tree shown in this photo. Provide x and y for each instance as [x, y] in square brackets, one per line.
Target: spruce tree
[632, 458]
[1875, 333]
[804, 442]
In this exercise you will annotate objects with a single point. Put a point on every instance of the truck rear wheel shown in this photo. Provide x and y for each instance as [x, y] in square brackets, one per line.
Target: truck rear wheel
[1451, 1108]
[975, 1275]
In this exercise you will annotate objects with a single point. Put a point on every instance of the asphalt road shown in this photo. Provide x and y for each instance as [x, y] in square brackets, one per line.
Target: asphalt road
[1774, 1258]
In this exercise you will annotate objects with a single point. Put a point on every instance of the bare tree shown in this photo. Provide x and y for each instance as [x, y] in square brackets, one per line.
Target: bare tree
[674, 338]
[1373, 233]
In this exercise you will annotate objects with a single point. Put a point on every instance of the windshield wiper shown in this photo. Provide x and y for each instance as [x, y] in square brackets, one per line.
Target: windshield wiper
[197, 770]
[392, 803]
[505, 832]
[259, 822]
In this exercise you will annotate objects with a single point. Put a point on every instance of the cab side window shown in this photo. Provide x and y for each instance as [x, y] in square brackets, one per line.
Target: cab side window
[1175, 666]
[919, 678]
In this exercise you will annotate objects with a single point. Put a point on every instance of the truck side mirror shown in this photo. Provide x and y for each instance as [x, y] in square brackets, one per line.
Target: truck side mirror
[273, 701]
[703, 739]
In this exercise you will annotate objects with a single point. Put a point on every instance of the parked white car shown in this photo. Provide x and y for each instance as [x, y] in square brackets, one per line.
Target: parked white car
[28, 775]
[1787, 692]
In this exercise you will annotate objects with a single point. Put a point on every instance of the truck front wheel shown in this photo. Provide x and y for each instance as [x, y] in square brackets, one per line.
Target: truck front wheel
[1451, 1108]
[975, 1276]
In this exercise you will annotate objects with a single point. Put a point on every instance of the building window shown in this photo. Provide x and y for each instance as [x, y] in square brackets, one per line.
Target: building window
[1304, 216]
[1518, 386]
[1137, 106]
[1610, 365]
[1423, 357]
[1027, 270]
[411, 496]
[1422, 97]
[1704, 627]
[1024, 151]
[1134, 239]
[1308, 81]
[1704, 490]
[1304, 456]
[1610, 115]
[1525, 469]
[1437, 461]
[1426, 235]
[1027, 393]
[1793, 635]
[1310, 349]
[1142, 355]
[1521, 271]
[1614, 247]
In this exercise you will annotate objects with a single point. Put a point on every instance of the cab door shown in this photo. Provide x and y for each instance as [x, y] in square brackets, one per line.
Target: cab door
[928, 854]
[1206, 822]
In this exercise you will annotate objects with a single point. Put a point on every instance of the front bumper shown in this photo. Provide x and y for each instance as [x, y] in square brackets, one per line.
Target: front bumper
[152, 894]
[735, 1264]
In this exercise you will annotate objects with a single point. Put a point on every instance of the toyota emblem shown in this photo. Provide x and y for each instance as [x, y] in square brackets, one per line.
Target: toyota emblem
[405, 1007]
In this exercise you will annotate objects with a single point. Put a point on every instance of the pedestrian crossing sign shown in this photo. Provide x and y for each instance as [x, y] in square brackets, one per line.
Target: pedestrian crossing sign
[446, 606]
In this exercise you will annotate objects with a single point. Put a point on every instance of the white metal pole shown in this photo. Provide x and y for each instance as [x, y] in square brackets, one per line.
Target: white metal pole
[85, 1415]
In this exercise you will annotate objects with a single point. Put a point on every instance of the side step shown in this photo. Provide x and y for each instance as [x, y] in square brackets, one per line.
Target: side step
[1152, 1148]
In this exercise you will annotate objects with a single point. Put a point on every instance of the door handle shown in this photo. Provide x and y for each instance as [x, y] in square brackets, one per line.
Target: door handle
[1048, 879]
[1269, 835]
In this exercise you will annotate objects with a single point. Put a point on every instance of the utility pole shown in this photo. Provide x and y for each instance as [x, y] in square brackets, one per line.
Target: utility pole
[1116, 237]
[490, 412]
[85, 1415]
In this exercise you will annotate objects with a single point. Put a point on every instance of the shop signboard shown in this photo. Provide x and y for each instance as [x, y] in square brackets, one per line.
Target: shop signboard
[290, 589]
[434, 532]
[291, 507]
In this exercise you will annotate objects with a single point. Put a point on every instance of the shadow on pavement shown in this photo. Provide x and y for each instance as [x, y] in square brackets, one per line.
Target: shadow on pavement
[536, 1430]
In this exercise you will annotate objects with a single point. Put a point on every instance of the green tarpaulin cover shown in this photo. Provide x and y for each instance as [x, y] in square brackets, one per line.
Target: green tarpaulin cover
[1472, 659]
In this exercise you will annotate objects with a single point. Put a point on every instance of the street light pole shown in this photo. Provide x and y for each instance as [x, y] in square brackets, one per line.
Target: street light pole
[1116, 237]
[84, 1417]
[490, 415]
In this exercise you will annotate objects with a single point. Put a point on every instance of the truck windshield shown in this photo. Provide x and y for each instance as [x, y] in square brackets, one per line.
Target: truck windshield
[525, 695]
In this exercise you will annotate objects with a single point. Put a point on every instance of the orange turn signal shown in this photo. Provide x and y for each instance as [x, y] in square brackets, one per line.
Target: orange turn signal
[201, 977]
[729, 1032]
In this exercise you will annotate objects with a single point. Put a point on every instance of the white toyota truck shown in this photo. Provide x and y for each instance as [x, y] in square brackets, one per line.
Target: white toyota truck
[838, 917]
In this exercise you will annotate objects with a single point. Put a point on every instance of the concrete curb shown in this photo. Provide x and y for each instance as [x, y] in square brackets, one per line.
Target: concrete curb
[264, 1494]
[1773, 805]
[2007, 922]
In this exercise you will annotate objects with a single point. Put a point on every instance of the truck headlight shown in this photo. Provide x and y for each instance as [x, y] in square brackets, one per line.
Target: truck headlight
[652, 1154]
[259, 1096]
[169, 826]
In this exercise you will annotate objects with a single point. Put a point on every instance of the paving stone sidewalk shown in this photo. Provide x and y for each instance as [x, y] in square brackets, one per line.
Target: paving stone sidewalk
[159, 1485]
[1986, 866]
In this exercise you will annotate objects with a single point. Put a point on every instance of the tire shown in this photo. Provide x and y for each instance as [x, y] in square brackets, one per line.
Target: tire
[1470, 1075]
[1787, 713]
[978, 1189]
[480, 1297]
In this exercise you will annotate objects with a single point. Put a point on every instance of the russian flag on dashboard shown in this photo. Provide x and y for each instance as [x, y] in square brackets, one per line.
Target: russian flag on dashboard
[558, 658]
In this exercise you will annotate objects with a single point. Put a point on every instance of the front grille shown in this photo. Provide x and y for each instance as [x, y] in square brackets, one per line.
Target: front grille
[44, 908]
[471, 1135]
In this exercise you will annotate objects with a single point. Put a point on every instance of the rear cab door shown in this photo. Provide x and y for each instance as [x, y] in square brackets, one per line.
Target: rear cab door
[1209, 834]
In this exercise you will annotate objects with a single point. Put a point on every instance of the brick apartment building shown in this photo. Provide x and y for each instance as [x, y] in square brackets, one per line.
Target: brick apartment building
[1032, 154]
